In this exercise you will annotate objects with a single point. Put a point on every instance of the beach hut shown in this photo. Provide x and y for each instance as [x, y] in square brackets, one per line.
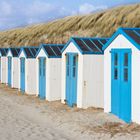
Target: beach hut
[4, 64]
[121, 74]
[82, 72]
[49, 71]
[13, 67]
[28, 72]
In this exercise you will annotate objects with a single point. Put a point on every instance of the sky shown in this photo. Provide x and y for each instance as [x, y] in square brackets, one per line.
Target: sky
[17, 13]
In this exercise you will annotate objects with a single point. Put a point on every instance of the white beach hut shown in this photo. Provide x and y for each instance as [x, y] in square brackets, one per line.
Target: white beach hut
[4, 64]
[28, 71]
[121, 74]
[13, 67]
[82, 72]
[49, 71]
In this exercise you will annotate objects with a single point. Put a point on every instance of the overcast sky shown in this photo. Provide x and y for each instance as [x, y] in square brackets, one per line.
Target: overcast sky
[15, 13]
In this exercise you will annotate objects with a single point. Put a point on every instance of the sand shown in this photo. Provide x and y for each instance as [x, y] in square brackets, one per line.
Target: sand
[25, 117]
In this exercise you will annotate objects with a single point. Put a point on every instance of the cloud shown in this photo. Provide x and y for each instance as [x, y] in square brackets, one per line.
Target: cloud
[87, 8]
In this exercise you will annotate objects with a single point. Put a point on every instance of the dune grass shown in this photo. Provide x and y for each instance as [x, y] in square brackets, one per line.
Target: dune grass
[102, 24]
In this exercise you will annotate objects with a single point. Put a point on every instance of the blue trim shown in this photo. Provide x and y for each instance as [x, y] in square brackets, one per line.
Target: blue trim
[131, 40]
[120, 31]
[78, 47]
[121, 50]
[42, 47]
[22, 49]
[54, 57]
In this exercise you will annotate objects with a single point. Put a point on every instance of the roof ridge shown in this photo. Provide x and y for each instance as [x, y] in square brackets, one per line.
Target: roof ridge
[129, 28]
[90, 37]
[53, 44]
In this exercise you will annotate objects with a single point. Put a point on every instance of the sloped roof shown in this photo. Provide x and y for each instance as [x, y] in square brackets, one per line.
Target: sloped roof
[132, 34]
[88, 45]
[15, 51]
[53, 50]
[30, 52]
[3, 51]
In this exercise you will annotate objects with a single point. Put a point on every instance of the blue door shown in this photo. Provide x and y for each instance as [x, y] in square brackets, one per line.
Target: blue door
[121, 83]
[9, 70]
[22, 74]
[71, 78]
[42, 78]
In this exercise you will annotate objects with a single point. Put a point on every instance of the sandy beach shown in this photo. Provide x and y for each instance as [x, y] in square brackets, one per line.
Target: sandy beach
[25, 117]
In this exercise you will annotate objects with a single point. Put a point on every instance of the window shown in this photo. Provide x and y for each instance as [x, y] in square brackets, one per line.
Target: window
[40, 67]
[126, 59]
[67, 70]
[68, 63]
[74, 61]
[115, 59]
[126, 74]
[23, 65]
[74, 71]
[115, 73]
[115, 66]
[67, 59]
[44, 65]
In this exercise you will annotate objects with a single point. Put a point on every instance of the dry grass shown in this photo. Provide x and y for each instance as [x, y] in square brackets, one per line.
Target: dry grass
[101, 24]
[115, 128]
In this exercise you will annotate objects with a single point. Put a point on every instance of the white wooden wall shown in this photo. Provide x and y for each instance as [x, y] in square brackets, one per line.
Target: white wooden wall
[93, 78]
[15, 72]
[122, 42]
[31, 76]
[4, 72]
[54, 79]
